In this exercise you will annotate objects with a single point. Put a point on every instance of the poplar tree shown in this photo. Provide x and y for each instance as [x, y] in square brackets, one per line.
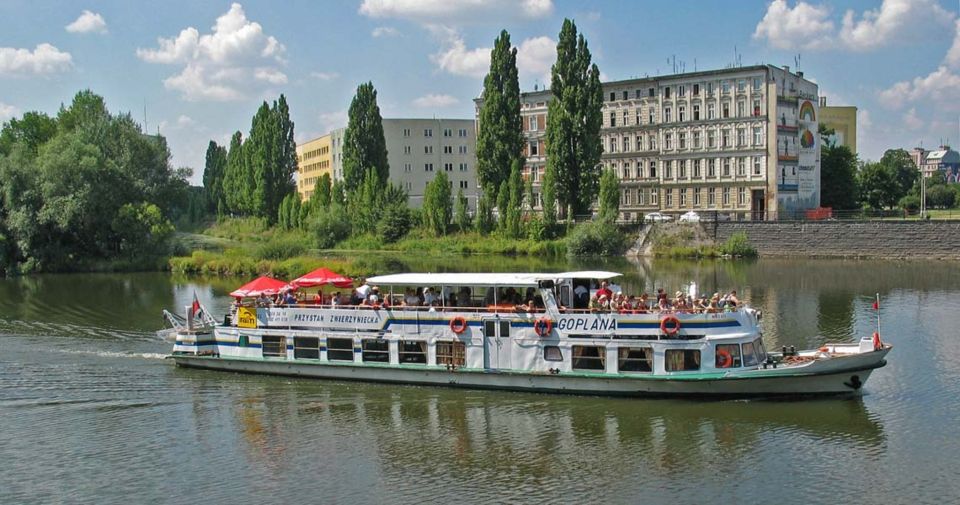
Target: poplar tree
[499, 135]
[236, 180]
[437, 204]
[461, 217]
[213, 173]
[609, 198]
[364, 146]
[573, 123]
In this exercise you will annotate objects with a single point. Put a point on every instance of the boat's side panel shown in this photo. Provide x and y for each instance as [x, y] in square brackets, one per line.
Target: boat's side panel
[836, 383]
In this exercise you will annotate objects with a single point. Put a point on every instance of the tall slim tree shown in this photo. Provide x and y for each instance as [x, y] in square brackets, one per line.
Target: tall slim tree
[236, 178]
[364, 146]
[500, 135]
[838, 177]
[609, 198]
[213, 172]
[437, 204]
[461, 213]
[573, 122]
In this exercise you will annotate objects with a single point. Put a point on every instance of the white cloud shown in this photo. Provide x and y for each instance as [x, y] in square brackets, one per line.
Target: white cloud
[330, 121]
[324, 76]
[456, 59]
[44, 59]
[911, 120]
[456, 10]
[8, 111]
[384, 31]
[236, 60]
[895, 21]
[183, 121]
[535, 56]
[953, 55]
[88, 22]
[941, 87]
[805, 26]
[435, 101]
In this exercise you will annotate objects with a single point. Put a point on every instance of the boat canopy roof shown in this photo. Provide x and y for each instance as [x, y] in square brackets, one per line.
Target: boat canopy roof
[482, 279]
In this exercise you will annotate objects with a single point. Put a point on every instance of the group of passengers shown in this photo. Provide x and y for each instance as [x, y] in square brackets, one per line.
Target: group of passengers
[606, 300]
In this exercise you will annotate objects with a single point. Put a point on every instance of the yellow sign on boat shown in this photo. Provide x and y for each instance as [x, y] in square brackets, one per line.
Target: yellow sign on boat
[246, 317]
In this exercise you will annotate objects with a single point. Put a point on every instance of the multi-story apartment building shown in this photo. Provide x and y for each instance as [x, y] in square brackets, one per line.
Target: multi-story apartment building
[742, 141]
[842, 119]
[313, 160]
[418, 149]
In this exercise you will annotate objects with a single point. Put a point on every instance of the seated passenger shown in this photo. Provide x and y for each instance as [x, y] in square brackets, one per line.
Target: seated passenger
[289, 298]
[410, 298]
[318, 298]
[732, 299]
[643, 305]
[464, 297]
[594, 303]
[335, 299]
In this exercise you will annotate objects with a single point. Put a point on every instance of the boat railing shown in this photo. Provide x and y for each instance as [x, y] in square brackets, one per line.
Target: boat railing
[498, 309]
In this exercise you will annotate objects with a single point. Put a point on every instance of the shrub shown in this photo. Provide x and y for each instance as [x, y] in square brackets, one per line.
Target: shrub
[596, 238]
[739, 245]
[280, 249]
[331, 226]
[910, 202]
[396, 222]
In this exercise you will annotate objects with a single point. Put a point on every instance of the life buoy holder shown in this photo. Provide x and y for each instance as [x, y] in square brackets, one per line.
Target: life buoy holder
[724, 359]
[458, 324]
[670, 325]
[542, 327]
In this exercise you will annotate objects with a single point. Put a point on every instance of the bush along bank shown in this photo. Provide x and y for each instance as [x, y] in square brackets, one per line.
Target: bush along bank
[681, 240]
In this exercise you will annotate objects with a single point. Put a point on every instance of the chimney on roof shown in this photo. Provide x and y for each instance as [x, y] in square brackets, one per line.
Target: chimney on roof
[787, 68]
[799, 73]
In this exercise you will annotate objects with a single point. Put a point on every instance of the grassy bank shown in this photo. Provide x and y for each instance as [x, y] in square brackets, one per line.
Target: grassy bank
[677, 240]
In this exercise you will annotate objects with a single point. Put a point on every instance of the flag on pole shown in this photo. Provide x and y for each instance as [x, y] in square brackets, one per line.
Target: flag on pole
[195, 307]
[876, 305]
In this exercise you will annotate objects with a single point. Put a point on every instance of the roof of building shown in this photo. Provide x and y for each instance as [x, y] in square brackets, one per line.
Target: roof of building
[944, 156]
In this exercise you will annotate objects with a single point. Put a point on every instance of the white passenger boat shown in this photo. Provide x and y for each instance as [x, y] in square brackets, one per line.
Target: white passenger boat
[558, 346]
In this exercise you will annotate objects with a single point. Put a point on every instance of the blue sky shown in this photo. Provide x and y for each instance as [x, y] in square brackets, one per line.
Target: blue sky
[202, 68]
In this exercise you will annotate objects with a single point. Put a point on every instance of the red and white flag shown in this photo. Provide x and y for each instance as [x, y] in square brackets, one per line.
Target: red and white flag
[876, 305]
[195, 306]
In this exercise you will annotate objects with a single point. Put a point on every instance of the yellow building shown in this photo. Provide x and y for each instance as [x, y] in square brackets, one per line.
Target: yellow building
[843, 120]
[313, 160]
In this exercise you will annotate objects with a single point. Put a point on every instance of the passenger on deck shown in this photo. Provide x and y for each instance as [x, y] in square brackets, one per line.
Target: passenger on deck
[263, 300]
[429, 296]
[335, 299]
[318, 298]
[604, 290]
[732, 299]
[664, 305]
[434, 306]
[410, 298]
[594, 304]
[643, 305]
[581, 296]
[714, 305]
[289, 298]
[360, 293]
[464, 297]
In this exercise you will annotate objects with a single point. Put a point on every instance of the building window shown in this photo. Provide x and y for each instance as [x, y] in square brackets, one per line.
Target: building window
[625, 95]
[406, 149]
[407, 168]
[757, 84]
[742, 196]
[741, 137]
[668, 169]
[635, 359]
[696, 112]
[757, 135]
[654, 196]
[726, 196]
[668, 198]
[681, 360]
[613, 145]
[711, 111]
[724, 87]
[711, 167]
[463, 132]
[696, 89]
[413, 352]
[741, 85]
[651, 116]
[666, 114]
[725, 110]
[681, 90]
[427, 149]
[589, 357]
[666, 92]
[711, 138]
[681, 113]
[638, 116]
[652, 92]
[639, 143]
[451, 353]
[682, 140]
[428, 167]
[463, 149]
[741, 167]
[613, 119]
[696, 169]
[306, 347]
[463, 167]
[726, 167]
[756, 107]
[757, 164]
[406, 132]
[533, 123]
[447, 149]
[626, 143]
[741, 108]
[682, 169]
[625, 118]
[448, 167]
[653, 143]
[427, 132]
[626, 170]
[653, 169]
[696, 139]
[710, 88]
[340, 349]
[613, 96]
[668, 141]
[725, 138]
[533, 148]
[375, 350]
[696, 197]
[683, 198]
[447, 132]
[711, 197]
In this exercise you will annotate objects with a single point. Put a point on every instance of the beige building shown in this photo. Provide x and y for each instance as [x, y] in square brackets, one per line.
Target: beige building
[418, 149]
[741, 141]
[313, 160]
[843, 121]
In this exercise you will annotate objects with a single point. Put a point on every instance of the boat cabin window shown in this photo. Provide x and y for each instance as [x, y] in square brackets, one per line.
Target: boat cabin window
[306, 347]
[340, 349]
[589, 357]
[761, 352]
[581, 293]
[451, 353]
[375, 350]
[243, 341]
[635, 359]
[490, 328]
[682, 360]
[552, 353]
[274, 346]
[413, 351]
[749, 355]
[728, 356]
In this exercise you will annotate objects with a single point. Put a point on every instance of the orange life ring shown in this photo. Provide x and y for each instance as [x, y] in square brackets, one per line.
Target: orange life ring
[674, 325]
[542, 326]
[724, 359]
[458, 324]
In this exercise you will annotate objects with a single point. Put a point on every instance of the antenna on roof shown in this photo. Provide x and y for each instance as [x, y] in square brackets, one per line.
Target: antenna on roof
[694, 64]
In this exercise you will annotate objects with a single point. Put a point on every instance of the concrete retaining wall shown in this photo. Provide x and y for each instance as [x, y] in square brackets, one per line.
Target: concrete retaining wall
[883, 239]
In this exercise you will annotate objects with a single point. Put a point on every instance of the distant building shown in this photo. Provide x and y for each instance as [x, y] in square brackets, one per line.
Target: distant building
[843, 121]
[944, 160]
[313, 160]
[742, 141]
[417, 149]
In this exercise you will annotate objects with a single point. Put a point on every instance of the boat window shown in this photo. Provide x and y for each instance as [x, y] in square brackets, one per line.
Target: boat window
[451, 353]
[589, 357]
[728, 356]
[375, 350]
[761, 352]
[243, 341]
[340, 349]
[749, 355]
[635, 359]
[505, 329]
[274, 346]
[552, 353]
[635, 337]
[306, 347]
[489, 328]
[413, 351]
[678, 360]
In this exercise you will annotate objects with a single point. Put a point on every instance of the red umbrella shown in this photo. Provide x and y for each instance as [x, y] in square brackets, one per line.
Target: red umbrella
[320, 277]
[261, 285]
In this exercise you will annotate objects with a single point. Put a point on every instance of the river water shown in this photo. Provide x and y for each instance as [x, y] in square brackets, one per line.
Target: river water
[92, 413]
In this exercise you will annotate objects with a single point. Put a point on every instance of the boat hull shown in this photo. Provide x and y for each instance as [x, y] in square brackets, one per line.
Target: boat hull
[833, 380]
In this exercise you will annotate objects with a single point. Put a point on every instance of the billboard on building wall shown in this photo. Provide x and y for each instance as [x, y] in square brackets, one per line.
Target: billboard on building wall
[808, 154]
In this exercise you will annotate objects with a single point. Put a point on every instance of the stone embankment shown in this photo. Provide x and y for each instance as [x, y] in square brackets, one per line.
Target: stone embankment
[847, 239]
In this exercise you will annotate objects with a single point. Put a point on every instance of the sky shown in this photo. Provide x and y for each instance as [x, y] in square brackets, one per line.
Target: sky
[197, 71]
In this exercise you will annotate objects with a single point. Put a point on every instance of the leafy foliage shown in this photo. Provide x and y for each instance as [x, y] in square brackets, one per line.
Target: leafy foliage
[364, 147]
[609, 196]
[739, 245]
[437, 205]
[838, 176]
[213, 172]
[461, 213]
[597, 238]
[499, 135]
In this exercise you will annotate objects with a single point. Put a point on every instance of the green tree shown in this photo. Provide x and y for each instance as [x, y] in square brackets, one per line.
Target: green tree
[141, 229]
[609, 196]
[940, 197]
[461, 213]
[515, 202]
[322, 191]
[213, 173]
[484, 217]
[879, 187]
[838, 177]
[548, 197]
[499, 135]
[31, 131]
[573, 123]
[364, 147]
[237, 179]
[503, 202]
[437, 205]
[904, 170]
